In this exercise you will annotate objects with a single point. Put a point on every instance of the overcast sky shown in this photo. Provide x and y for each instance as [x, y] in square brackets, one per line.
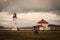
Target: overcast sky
[29, 12]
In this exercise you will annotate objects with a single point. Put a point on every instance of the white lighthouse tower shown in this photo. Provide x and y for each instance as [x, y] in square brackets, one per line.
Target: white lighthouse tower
[14, 22]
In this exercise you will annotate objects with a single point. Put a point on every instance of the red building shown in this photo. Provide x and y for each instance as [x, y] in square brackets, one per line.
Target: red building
[43, 25]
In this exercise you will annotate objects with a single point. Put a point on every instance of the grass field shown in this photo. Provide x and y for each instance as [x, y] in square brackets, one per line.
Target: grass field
[29, 35]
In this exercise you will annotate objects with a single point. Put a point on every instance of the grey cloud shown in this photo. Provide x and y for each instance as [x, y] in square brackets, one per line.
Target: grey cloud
[57, 12]
[56, 21]
[3, 4]
[32, 5]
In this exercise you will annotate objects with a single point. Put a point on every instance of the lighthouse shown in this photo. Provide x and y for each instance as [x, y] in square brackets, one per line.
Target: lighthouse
[14, 22]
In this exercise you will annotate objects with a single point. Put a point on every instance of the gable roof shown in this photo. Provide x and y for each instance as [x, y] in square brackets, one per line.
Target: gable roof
[42, 22]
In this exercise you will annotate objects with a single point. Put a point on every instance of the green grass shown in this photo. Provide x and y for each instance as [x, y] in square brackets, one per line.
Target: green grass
[29, 35]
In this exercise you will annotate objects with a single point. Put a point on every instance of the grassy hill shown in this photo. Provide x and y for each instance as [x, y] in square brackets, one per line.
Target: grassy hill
[29, 35]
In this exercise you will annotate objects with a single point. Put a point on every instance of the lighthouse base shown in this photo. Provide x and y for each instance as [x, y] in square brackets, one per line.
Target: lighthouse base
[14, 29]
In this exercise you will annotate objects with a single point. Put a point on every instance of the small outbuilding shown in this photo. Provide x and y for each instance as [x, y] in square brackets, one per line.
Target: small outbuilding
[42, 25]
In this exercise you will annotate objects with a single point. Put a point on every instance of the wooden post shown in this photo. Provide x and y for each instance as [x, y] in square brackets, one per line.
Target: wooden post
[36, 29]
